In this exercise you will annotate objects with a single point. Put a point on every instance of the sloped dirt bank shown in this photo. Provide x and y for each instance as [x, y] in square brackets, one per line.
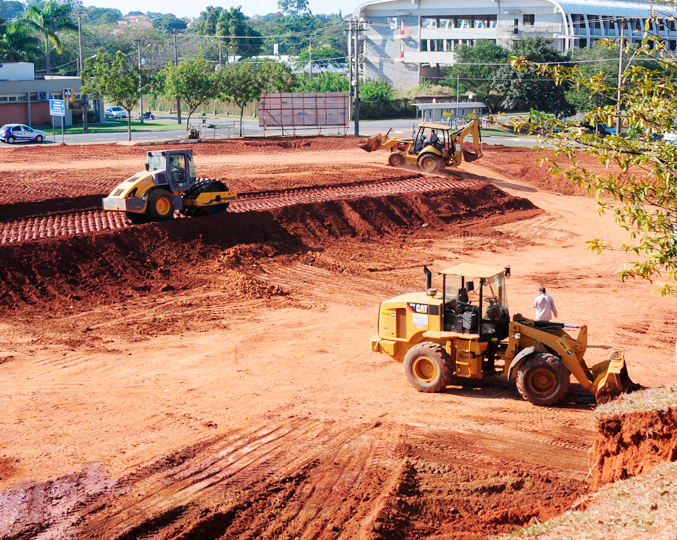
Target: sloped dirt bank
[89, 269]
[633, 443]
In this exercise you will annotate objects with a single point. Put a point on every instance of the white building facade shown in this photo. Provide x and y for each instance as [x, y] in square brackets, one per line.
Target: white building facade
[406, 41]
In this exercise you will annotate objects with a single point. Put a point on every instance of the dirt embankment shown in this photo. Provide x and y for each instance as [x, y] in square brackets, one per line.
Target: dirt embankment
[633, 443]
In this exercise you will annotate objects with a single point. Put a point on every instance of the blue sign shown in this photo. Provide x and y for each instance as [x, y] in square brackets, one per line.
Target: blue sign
[57, 107]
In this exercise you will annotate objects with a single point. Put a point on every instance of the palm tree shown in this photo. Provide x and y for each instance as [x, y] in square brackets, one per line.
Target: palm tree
[17, 43]
[48, 21]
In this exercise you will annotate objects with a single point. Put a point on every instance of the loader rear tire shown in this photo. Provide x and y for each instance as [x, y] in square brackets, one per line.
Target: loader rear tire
[429, 163]
[543, 379]
[395, 160]
[427, 367]
[160, 205]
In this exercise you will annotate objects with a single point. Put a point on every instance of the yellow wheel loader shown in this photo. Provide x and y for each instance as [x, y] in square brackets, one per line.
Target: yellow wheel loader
[465, 332]
[434, 146]
[168, 184]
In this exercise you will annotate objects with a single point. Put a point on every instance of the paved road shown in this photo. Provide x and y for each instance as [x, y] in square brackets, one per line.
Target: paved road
[251, 128]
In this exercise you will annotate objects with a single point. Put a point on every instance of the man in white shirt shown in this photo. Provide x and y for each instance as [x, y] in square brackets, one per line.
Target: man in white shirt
[545, 306]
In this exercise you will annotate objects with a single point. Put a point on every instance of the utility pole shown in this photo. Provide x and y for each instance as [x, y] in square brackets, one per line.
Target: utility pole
[620, 77]
[138, 50]
[356, 80]
[81, 66]
[178, 98]
[310, 53]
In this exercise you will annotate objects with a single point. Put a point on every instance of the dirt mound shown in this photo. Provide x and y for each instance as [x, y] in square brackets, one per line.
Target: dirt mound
[141, 259]
[633, 443]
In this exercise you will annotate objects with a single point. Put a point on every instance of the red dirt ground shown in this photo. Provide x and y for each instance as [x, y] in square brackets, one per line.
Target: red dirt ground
[211, 377]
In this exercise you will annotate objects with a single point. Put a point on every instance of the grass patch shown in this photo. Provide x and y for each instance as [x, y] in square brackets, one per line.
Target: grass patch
[641, 508]
[120, 126]
[650, 399]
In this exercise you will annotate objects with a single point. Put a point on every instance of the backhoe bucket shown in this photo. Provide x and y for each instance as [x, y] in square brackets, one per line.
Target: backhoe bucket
[470, 156]
[372, 143]
[613, 378]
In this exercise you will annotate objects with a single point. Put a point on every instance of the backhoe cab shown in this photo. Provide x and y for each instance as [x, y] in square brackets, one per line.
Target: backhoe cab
[167, 184]
[464, 330]
[433, 146]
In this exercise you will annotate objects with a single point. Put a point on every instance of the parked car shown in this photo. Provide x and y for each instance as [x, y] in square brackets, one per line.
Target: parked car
[11, 133]
[115, 112]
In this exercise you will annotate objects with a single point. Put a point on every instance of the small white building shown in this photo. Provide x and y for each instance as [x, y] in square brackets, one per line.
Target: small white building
[406, 41]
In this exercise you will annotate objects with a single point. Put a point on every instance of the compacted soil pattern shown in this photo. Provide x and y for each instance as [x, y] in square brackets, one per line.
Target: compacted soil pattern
[211, 377]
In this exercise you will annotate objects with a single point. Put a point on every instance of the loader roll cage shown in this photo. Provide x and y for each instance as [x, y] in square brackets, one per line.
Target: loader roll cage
[475, 304]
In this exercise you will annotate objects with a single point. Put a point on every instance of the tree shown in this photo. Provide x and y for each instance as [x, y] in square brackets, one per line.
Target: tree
[49, 20]
[96, 15]
[527, 90]
[18, 43]
[295, 8]
[323, 57]
[116, 79]
[642, 193]
[169, 23]
[474, 71]
[11, 9]
[323, 82]
[243, 82]
[242, 39]
[193, 80]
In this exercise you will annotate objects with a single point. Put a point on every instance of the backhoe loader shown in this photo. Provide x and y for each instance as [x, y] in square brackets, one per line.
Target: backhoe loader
[434, 146]
[465, 331]
[167, 184]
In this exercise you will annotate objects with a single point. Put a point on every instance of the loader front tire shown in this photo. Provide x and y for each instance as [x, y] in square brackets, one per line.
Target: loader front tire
[427, 367]
[395, 159]
[160, 205]
[543, 379]
[429, 163]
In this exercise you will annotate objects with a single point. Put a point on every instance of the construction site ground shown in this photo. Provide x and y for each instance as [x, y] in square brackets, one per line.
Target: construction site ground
[211, 377]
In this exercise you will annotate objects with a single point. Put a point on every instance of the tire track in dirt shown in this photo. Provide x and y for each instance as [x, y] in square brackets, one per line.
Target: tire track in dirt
[88, 222]
[176, 496]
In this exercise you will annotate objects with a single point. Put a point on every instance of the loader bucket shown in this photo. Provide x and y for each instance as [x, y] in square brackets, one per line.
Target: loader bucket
[613, 379]
[470, 156]
[372, 143]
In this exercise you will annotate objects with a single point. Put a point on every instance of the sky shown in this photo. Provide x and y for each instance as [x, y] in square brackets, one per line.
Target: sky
[193, 9]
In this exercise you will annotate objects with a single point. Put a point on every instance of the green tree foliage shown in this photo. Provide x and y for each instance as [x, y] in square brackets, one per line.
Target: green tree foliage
[323, 82]
[117, 80]
[169, 23]
[240, 38]
[323, 57]
[11, 9]
[18, 43]
[291, 33]
[95, 16]
[243, 82]
[376, 91]
[527, 90]
[49, 20]
[193, 80]
[295, 8]
[643, 196]
[474, 72]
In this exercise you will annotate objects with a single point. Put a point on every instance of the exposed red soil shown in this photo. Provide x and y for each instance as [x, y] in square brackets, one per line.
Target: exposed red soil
[210, 377]
[633, 443]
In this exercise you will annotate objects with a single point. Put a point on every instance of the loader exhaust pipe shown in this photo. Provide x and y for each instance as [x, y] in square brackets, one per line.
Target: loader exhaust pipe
[428, 278]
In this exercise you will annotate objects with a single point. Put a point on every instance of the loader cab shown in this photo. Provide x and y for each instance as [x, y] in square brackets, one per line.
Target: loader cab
[435, 136]
[475, 301]
[174, 168]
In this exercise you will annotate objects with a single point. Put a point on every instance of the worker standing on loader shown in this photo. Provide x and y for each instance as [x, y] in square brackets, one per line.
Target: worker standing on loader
[545, 306]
